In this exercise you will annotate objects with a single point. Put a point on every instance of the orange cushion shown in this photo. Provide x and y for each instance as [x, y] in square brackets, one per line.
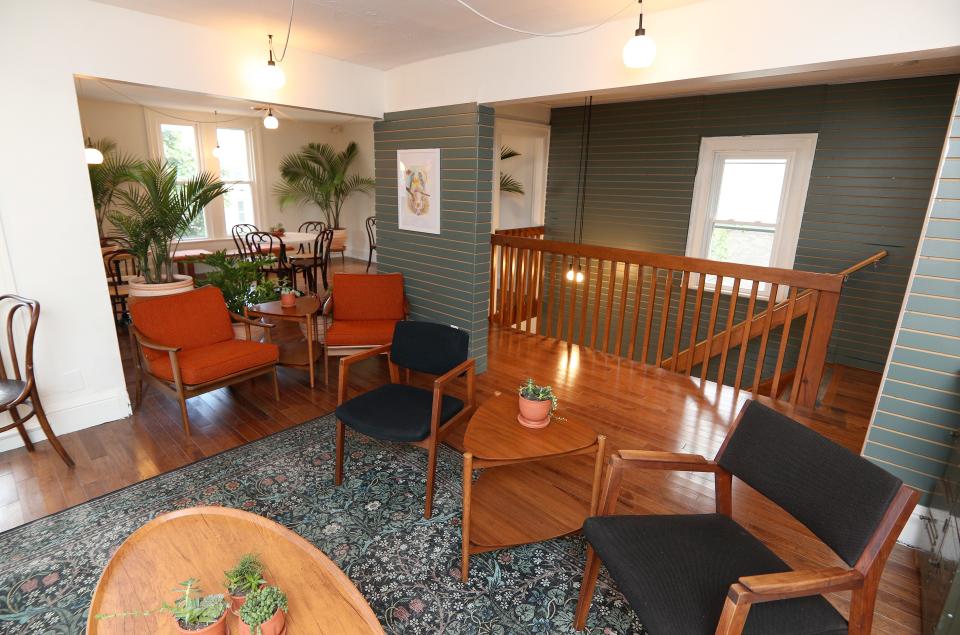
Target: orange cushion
[361, 296]
[215, 361]
[360, 332]
[188, 320]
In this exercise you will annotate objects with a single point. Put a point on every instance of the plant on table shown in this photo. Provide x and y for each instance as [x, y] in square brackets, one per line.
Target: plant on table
[242, 281]
[244, 578]
[537, 403]
[277, 230]
[263, 612]
[288, 295]
[158, 210]
[191, 611]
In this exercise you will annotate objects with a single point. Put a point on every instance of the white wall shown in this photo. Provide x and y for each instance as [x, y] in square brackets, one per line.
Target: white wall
[718, 39]
[532, 141]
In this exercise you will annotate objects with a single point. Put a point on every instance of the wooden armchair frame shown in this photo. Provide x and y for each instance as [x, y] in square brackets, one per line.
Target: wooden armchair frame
[437, 433]
[862, 579]
[186, 391]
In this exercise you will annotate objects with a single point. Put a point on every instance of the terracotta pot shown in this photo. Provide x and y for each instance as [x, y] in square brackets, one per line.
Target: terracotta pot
[273, 626]
[140, 289]
[339, 240]
[217, 628]
[240, 332]
[278, 233]
[288, 299]
[535, 412]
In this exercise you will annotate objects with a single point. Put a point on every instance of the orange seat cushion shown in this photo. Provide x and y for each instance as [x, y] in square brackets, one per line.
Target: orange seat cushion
[360, 332]
[360, 296]
[216, 361]
[186, 320]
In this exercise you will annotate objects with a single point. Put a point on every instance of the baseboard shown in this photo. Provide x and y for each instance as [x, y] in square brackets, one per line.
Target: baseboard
[66, 417]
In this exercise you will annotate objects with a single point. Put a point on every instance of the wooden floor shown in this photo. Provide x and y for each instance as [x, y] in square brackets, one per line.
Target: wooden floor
[595, 387]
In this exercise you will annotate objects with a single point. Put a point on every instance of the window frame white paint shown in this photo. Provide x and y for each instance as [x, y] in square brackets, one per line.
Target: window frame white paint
[797, 149]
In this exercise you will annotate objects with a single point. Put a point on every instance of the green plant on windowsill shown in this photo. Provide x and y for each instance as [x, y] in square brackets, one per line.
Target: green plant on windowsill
[242, 282]
[191, 610]
[261, 606]
[246, 577]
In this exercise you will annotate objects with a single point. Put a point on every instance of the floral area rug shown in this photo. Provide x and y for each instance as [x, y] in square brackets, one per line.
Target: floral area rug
[372, 527]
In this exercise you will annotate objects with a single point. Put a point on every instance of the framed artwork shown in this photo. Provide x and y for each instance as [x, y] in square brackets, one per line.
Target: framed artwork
[418, 190]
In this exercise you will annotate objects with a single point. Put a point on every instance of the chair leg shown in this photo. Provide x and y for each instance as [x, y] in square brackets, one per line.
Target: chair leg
[431, 470]
[369, 260]
[338, 470]
[15, 415]
[276, 384]
[587, 587]
[343, 258]
[47, 430]
[183, 412]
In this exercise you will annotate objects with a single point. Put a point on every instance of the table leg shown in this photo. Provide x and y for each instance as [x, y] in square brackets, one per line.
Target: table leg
[465, 525]
[323, 325]
[309, 322]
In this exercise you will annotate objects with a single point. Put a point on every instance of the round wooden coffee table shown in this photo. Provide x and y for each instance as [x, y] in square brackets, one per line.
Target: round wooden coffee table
[203, 542]
[514, 503]
[296, 353]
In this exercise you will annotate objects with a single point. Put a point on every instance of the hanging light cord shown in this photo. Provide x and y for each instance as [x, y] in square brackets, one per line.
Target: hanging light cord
[282, 55]
[536, 34]
[160, 112]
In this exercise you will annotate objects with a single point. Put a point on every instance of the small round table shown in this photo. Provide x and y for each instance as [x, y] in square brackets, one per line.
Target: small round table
[515, 502]
[203, 542]
[293, 353]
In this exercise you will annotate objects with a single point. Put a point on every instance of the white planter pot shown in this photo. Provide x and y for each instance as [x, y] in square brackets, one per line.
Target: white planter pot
[339, 242]
[140, 289]
[240, 332]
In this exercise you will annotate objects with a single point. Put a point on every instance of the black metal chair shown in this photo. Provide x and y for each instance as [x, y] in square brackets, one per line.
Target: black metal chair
[405, 413]
[239, 232]
[265, 245]
[371, 224]
[705, 574]
[310, 227]
[315, 261]
[120, 266]
[17, 390]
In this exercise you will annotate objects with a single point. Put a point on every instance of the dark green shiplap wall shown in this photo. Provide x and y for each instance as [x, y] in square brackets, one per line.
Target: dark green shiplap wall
[919, 407]
[447, 276]
[877, 153]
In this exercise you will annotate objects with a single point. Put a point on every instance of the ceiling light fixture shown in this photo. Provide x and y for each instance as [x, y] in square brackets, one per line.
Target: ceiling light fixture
[91, 153]
[270, 122]
[639, 50]
[272, 76]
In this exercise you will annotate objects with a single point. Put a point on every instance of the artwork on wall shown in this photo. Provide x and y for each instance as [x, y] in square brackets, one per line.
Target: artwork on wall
[418, 190]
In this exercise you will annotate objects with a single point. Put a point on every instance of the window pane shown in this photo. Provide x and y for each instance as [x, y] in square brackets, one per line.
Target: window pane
[238, 204]
[750, 190]
[198, 228]
[748, 246]
[233, 154]
[180, 149]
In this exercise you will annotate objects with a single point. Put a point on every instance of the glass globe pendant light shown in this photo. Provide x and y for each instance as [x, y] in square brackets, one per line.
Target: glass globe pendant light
[92, 154]
[639, 50]
[270, 122]
[272, 76]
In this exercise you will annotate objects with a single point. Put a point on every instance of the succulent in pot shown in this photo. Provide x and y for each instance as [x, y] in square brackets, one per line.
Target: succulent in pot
[288, 295]
[264, 612]
[537, 404]
[243, 579]
[191, 612]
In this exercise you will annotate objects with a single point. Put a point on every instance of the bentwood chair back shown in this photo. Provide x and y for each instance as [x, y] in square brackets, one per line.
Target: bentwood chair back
[121, 265]
[371, 225]
[316, 261]
[239, 233]
[310, 227]
[18, 384]
[265, 245]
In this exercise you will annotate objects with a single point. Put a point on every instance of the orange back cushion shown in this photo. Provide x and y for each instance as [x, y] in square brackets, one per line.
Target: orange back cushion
[360, 296]
[188, 320]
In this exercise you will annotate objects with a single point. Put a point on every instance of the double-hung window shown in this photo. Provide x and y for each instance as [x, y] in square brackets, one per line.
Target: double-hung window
[180, 147]
[748, 200]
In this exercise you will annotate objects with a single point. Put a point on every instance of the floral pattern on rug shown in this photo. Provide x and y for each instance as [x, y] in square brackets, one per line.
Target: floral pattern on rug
[372, 527]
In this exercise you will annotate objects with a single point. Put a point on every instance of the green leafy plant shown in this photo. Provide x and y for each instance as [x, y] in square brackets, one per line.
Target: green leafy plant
[277, 230]
[284, 287]
[241, 281]
[158, 211]
[533, 392]
[319, 174]
[106, 178]
[509, 183]
[246, 577]
[192, 610]
[260, 606]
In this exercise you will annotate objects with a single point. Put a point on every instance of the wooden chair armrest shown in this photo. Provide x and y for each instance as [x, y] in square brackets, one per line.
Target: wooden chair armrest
[775, 586]
[350, 360]
[654, 460]
[143, 341]
[455, 372]
[261, 322]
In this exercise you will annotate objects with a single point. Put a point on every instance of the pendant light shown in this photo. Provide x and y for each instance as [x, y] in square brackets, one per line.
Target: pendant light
[216, 151]
[576, 275]
[270, 122]
[91, 153]
[272, 76]
[639, 50]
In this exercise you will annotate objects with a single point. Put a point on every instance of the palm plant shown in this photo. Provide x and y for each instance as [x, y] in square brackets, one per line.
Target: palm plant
[509, 183]
[107, 177]
[159, 211]
[319, 174]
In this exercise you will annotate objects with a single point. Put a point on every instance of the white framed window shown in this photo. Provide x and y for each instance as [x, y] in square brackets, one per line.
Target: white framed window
[236, 170]
[179, 145]
[748, 200]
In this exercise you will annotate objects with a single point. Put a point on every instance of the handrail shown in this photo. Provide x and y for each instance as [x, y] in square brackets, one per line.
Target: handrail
[880, 255]
[536, 231]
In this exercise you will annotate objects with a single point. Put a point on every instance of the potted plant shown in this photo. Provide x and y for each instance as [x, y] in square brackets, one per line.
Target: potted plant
[537, 404]
[288, 295]
[319, 174]
[191, 612]
[277, 230]
[244, 579]
[156, 213]
[243, 283]
[264, 612]
[107, 177]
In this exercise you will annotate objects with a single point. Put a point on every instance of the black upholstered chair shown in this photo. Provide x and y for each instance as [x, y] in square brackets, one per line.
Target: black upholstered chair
[371, 225]
[405, 413]
[705, 574]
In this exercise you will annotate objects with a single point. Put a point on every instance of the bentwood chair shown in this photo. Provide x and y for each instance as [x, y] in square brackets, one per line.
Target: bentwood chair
[315, 260]
[239, 233]
[704, 574]
[120, 266]
[309, 227]
[371, 225]
[404, 413]
[15, 391]
[265, 245]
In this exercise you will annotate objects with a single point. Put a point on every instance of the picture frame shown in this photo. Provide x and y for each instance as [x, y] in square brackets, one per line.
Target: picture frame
[418, 190]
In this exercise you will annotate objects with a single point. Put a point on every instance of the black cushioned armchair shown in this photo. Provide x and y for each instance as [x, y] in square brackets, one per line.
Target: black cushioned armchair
[400, 412]
[705, 574]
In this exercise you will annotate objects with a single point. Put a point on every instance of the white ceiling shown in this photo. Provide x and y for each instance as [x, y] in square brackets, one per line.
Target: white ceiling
[388, 33]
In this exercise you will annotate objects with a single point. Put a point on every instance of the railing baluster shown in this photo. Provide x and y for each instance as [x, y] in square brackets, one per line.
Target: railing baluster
[521, 287]
[768, 320]
[731, 313]
[637, 296]
[623, 306]
[608, 321]
[804, 346]
[664, 315]
[585, 302]
[548, 294]
[784, 337]
[695, 331]
[678, 323]
[573, 299]
[504, 260]
[561, 295]
[596, 305]
[492, 306]
[648, 320]
[745, 339]
[714, 309]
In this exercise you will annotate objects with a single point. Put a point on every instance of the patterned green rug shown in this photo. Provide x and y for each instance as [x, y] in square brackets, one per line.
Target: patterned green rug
[372, 527]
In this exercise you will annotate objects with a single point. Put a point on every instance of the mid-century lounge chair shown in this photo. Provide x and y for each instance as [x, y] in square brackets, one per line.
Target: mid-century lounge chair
[185, 344]
[704, 574]
[405, 413]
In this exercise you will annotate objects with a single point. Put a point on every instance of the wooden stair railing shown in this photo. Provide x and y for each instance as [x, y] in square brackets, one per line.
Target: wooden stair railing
[609, 299]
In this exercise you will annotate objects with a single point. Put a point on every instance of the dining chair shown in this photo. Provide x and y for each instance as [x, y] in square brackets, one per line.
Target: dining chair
[705, 574]
[371, 225]
[21, 388]
[309, 227]
[316, 260]
[120, 265]
[404, 413]
[265, 245]
[239, 232]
